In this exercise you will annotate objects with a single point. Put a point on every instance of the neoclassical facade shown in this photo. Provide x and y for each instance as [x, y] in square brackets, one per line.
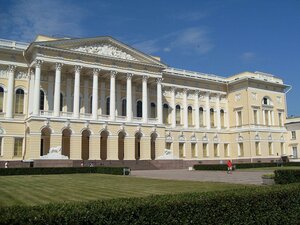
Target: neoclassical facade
[103, 100]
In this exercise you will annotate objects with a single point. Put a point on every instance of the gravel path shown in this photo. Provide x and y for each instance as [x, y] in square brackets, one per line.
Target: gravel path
[212, 176]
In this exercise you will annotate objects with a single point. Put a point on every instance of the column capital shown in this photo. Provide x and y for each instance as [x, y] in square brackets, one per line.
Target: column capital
[173, 89]
[129, 76]
[38, 63]
[197, 92]
[78, 68]
[113, 73]
[145, 77]
[185, 90]
[207, 94]
[159, 80]
[12, 68]
[58, 66]
[96, 71]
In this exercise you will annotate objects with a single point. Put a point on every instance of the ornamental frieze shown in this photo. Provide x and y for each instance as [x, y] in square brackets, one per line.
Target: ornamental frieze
[105, 50]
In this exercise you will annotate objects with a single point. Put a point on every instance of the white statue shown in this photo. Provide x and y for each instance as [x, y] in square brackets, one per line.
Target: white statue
[54, 153]
[168, 154]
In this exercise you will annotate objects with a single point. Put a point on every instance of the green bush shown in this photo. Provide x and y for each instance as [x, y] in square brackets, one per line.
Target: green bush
[61, 170]
[241, 165]
[275, 205]
[287, 176]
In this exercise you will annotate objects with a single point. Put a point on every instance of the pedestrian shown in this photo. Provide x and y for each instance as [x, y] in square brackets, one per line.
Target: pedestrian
[229, 167]
[6, 165]
[81, 164]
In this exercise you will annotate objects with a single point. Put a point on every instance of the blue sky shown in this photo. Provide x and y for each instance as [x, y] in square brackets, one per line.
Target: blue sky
[218, 37]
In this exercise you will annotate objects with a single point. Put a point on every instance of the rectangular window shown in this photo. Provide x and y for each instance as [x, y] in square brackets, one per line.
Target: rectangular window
[280, 119]
[239, 118]
[295, 152]
[168, 146]
[181, 150]
[282, 149]
[205, 150]
[271, 152]
[226, 150]
[257, 148]
[293, 135]
[240, 149]
[255, 117]
[193, 149]
[266, 118]
[18, 147]
[216, 150]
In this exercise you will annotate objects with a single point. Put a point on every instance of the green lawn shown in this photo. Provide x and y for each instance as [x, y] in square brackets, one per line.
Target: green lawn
[271, 168]
[41, 189]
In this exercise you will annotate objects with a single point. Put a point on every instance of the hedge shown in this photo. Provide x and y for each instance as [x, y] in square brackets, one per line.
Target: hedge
[276, 205]
[241, 165]
[287, 176]
[60, 170]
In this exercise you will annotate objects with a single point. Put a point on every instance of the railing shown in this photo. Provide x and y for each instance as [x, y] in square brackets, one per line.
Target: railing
[85, 115]
[13, 44]
[152, 120]
[103, 117]
[187, 73]
[66, 114]
[137, 119]
[46, 113]
[121, 118]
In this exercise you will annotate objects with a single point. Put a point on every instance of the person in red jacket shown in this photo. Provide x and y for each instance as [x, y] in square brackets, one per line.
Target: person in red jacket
[229, 166]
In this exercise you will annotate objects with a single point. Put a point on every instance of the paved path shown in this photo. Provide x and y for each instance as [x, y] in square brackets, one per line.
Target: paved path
[213, 176]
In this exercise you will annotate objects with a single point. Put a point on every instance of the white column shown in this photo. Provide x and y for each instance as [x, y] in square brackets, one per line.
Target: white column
[36, 92]
[86, 96]
[56, 106]
[76, 103]
[118, 99]
[69, 94]
[112, 109]
[264, 118]
[185, 109]
[102, 97]
[145, 99]
[173, 106]
[95, 94]
[31, 89]
[196, 106]
[207, 110]
[218, 111]
[129, 97]
[10, 91]
[50, 92]
[159, 101]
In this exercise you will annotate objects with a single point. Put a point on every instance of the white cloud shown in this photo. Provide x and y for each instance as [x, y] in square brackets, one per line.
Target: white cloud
[27, 18]
[248, 56]
[193, 40]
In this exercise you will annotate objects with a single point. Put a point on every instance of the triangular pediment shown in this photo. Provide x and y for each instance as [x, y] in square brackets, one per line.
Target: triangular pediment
[106, 47]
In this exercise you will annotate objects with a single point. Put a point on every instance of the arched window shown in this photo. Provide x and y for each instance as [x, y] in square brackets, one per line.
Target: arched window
[107, 106]
[178, 116]
[1, 98]
[212, 118]
[190, 115]
[61, 102]
[166, 113]
[152, 110]
[201, 119]
[266, 101]
[124, 107]
[222, 119]
[139, 109]
[42, 100]
[19, 104]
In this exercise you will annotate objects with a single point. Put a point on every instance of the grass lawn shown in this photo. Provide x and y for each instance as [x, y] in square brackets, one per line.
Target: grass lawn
[41, 189]
[271, 168]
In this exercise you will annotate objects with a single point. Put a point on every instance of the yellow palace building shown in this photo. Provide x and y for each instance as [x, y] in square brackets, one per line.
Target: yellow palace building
[102, 100]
